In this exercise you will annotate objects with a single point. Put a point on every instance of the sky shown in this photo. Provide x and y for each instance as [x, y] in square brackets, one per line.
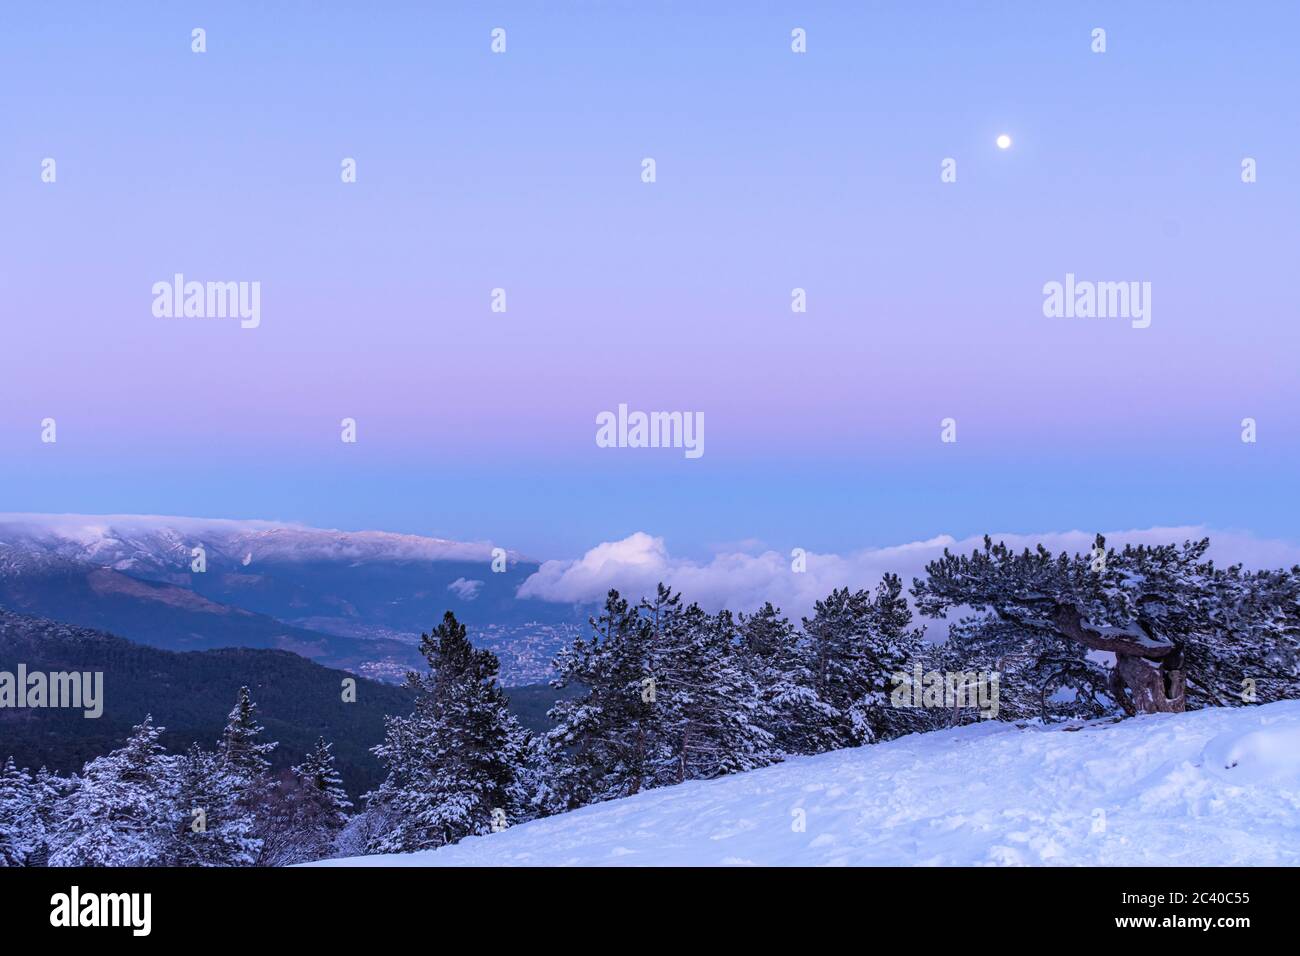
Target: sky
[774, 170]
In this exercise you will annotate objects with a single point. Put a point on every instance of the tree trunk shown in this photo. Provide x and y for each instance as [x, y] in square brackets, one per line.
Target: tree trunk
[1148, 676]
[1154, 689]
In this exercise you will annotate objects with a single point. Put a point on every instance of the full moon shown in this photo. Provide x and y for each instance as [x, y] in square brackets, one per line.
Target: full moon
[1004, 141]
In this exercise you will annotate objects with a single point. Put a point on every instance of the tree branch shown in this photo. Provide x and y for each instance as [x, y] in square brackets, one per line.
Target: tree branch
[1072, 625]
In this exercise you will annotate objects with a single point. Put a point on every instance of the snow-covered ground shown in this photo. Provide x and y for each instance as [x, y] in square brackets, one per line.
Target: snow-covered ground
[1213, 787]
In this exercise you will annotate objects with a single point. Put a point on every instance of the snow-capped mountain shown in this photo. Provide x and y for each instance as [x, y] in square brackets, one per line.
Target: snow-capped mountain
[1206, 788]
[272, 584]
[153, 543]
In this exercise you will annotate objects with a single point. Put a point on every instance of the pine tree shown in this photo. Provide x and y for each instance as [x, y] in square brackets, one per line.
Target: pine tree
[783, 661]
[885, 646]
[304, 812]
[671, 648]
[452, 764]
[859, 643]
[1251, 652]
[731, 710]
[243, 777]
[120, 813]
[669, 695]
[242, 749]
[329, 802]
[609, 741]
[1180, 629]
[309, 810]
[365, 831]
[21, 832]
[711, 705]
[50, 791]
[211, 823]
[536, 777]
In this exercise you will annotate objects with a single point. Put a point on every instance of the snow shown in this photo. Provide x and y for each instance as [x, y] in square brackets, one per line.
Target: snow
[1128, 632]
[1268, 755]
[124, 541]
[1207, 788]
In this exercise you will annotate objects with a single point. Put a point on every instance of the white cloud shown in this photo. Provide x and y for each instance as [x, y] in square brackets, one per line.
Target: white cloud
[743, 581]
[465, 589]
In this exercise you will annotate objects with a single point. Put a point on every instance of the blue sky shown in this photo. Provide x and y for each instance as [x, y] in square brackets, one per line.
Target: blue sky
[775, 171]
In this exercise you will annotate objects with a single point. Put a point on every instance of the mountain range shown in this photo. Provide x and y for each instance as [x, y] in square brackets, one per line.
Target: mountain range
[355, 600]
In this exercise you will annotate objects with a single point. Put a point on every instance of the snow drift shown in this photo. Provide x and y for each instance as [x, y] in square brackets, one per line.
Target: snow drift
[1207, 788]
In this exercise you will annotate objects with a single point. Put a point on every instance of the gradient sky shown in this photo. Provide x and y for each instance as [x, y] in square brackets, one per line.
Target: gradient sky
[775, 170]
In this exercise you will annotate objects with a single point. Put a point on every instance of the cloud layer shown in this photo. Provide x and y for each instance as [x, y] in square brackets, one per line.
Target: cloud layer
[743, 580]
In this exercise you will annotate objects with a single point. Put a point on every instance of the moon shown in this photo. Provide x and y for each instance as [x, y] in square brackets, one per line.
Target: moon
[1004, 141]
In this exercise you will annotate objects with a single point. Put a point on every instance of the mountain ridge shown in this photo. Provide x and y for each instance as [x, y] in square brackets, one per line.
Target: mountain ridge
[357, 600]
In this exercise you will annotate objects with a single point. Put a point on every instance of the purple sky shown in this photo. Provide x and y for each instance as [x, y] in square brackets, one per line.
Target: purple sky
[775, 170]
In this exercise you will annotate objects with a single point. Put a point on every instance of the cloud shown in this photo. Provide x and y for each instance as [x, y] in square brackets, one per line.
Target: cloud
[465, 589]
[270, 540]
[742, 581]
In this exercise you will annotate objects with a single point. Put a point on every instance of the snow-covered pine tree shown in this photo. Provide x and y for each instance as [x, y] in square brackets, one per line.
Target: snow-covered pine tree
[535, 777]
[711, 705]
[672, 644]
[728, 717]
[885, 645]
[1023, 605]
[364, 831]
[906, 716]
[608, 741]
[1178, 627]
[211, 822]
[859, 643]
[242, 749]
[231, 787]
[764, 634]
[305, 811]
[22, 835]
[329, 802]
[1250, 653]
[121, 812]
[316, 804]
[451, 763]
[782, 660]
[836, 619]
[1033, 661]
[50, 790]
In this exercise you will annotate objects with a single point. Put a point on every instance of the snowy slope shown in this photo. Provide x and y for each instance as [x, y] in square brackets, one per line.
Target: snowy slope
[1212, 787]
